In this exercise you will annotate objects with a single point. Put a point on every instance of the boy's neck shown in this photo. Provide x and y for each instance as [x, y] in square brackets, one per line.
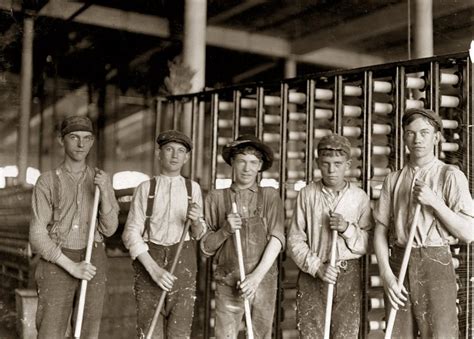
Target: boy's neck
[335, 189]
[241, 186]
[420, 162]
[75, 167]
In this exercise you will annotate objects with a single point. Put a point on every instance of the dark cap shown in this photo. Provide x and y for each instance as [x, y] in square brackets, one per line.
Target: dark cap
[335, 142]
[76, 123]
[424, 112]
[174, 136]
[249, 140]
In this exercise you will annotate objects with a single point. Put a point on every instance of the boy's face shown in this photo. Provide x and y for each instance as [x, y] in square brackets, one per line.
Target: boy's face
[333, 169]
[172, 157]
[77, 145]
[246, 168]
[421, 138]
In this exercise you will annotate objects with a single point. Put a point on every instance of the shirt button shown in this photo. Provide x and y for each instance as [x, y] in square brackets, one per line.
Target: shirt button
[75, 227]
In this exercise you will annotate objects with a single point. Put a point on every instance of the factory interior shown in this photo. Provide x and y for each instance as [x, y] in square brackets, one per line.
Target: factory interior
[215, 69]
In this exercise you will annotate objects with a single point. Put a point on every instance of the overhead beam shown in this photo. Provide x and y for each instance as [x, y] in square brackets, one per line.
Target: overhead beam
[341, 58]
[234, 10]
[388, 19]
[217, 36]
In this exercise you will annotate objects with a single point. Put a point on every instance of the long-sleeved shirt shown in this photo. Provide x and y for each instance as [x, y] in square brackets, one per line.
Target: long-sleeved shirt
[396, 202]
[309, 236]
[169, 214]
[75, 202]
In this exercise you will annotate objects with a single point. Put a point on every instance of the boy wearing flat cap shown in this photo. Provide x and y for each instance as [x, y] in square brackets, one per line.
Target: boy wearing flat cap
[331, 204]
[426, 303]
[155, 223]
[261, 223]
[62, 203]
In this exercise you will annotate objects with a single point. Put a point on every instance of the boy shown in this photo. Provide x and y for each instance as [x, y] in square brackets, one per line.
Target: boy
[331, 204]
[158, 212]
[260, 220]
[427, 303]
[61, 205]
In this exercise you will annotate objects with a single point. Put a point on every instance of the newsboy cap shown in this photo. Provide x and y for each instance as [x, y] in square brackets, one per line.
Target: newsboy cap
[174, 136]
[335, 142]
[425, 112]
[76, 123]
[244, 140]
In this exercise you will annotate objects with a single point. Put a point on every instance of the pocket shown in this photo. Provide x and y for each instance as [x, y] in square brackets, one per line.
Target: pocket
[39, 270]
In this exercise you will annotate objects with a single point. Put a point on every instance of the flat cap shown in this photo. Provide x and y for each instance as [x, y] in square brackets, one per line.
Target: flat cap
[335, 142]
[425, 112]
[76, 123]
[174, 136]
[249, 140]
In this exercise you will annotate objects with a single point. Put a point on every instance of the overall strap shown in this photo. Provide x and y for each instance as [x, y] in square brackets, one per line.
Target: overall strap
[189, 188]
[56, 197]
[435, 223]
[227, 201]
[149, 207]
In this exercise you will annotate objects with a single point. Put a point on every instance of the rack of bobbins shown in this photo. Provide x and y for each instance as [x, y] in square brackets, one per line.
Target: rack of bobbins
[366, 105]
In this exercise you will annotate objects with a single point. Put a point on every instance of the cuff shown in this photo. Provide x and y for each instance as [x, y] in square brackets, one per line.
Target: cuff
[138, 249]
[349, 232]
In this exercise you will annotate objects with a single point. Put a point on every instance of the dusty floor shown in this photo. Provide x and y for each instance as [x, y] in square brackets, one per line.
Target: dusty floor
[7, 314]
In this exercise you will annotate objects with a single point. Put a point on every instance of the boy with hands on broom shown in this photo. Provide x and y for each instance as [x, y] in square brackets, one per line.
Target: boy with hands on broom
[331, 206]
[426, 303]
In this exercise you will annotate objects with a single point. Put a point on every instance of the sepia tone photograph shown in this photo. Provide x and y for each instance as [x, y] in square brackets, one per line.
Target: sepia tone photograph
[236, 169]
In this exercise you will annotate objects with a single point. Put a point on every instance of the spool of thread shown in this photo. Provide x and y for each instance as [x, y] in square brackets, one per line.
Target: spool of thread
[296, 175]
[353, 91]
[382, 86]
[449, 101]
[381, 150]
[375, 281]
[270, 100]
[323, 94]
[450, 124]
[297, 116]
[376, 325]
[375, 194]
[247, 103]
[352, 111]
[212, 322]
[351, 131]
[320, 133]
[449, 79]
[415, 83]
[373, 259]
[381, 129]
[356, 152]
[225, 106]
[449, 147]
[412, 103]
[376, 303]
[381, 171]
[322, 113]
[383, 108]
[296, 98]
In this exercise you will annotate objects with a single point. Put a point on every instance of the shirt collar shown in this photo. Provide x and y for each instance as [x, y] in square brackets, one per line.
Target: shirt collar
[325, 190]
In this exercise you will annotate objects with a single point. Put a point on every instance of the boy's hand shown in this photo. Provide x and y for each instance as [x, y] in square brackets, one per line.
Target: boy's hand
[102, 180]
[396, 296]
[328, 273]
[337, 222]
[250, 285]
[425, 195]
[234, 222]
[194, 212]
[82, 270]
[162, 277]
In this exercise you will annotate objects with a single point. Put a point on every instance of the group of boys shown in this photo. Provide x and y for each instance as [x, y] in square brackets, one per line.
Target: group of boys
[332, 206]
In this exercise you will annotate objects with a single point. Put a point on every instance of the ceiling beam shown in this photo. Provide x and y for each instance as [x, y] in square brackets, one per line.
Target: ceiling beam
[388, 19]
[217, 36]
[341, 58]
[234, 10]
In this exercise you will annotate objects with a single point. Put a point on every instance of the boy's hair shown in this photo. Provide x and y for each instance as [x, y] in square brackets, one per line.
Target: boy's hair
[246, 150]
[426, 114]
[334, 145]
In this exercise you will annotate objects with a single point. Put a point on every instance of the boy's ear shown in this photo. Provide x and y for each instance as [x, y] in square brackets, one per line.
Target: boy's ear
[60, 140]
[348, 163]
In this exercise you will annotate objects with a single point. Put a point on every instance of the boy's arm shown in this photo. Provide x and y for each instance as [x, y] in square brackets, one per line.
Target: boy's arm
[357, 235]
[297, 244]
[252, 280]
[216, 234]
[458, 217]
[162, 277]
[395, 295]
[135, 224]
[198, 225]
[109, 208]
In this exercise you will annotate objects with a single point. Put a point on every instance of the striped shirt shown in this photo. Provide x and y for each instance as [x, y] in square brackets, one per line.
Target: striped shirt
[309, 236]
[75, 202]
[170, 208]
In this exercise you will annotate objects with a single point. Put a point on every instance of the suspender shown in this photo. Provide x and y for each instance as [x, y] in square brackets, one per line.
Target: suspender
[228, 201]
[151, 200]
[56, 197]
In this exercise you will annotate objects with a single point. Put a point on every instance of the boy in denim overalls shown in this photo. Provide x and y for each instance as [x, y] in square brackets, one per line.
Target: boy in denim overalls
[260, 220]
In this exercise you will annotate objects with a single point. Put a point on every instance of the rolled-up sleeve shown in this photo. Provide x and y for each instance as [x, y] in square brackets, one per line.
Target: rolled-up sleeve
[108, 222]
[42, 214]
[135, 225]
[297, 246]
[382, 208]
[456, 191]
[275, 217]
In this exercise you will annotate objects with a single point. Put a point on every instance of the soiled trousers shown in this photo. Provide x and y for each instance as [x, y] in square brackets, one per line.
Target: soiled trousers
[311, 301]
[176, 316]
[58, 296]
[430, 311]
